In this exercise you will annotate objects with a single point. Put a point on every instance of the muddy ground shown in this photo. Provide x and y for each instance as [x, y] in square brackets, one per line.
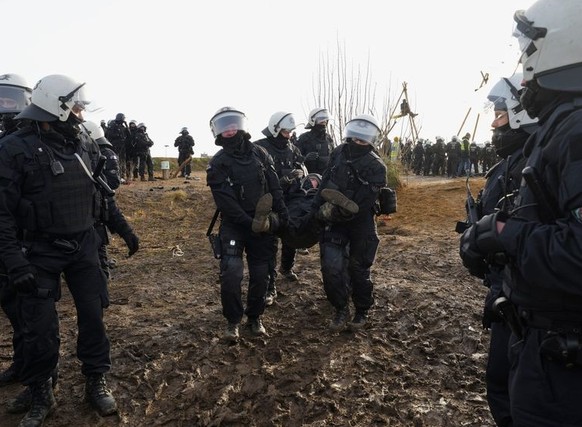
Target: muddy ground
[420, 363]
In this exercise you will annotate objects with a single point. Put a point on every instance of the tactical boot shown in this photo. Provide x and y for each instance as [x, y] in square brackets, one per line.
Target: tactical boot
[21, 403]
[256, 326]
[261, 221]
[42, 403]
[231, 332]
[339, 199]
[359, 321]
[9, 376]
[151, 178]
[338, 322]
[99, 396]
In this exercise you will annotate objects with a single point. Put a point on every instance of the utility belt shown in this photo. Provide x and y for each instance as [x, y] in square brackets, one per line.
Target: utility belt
[562, 341]
[68, 243]
[536, 320]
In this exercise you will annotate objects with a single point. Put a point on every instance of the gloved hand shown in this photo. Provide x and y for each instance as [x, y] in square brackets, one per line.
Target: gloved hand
[23, 279]
[480, 245]
[312, 156]
[132, 242]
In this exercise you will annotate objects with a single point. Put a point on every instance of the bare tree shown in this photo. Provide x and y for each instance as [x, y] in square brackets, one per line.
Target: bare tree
[347, 89]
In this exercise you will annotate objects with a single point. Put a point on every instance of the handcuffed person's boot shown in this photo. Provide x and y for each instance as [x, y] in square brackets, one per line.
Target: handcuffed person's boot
[42, 403]
[339, 199]
[256, 326]
[359, 321]
[99, 396]
[261, 221]
[231, 332]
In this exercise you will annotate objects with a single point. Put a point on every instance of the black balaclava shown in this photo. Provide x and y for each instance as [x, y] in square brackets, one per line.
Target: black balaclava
[319, 129]
[507, 140]
[356, 150]
[234, 144]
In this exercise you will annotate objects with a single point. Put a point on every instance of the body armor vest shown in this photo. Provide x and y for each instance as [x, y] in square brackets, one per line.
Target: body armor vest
[57, 195]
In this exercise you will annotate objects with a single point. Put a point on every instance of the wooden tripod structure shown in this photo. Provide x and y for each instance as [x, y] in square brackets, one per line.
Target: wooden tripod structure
[404, 98]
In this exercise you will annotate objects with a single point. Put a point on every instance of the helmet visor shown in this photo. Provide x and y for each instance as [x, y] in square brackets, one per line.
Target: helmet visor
[362, 130]
[228, 121]
[321, 116]
[13, 99]
[526, 33]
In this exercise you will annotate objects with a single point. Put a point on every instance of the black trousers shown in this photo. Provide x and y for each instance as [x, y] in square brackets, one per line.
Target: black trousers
[347, 252]
[235, 241]
[40, 324]
[9, 304]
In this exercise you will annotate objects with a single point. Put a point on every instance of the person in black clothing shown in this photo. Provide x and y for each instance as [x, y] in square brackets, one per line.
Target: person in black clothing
[118, 134]
[47, 215]
[14, 96]
[289, 167]
[511, 129]
[316, 144]
[539, 240]
[185, 144]
[247, 192]
[142, 150]
[348, 246]
[132, 160]
[111, 218]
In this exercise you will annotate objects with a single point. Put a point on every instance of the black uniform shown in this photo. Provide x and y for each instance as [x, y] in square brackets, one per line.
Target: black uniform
[46, 194]
[142, 150]
[286, 157]
[118, 134]
[348, 249]
[185, 144]
[541, 242]
[319, 142]
[111, 216]
[238, 175]
[502, 180]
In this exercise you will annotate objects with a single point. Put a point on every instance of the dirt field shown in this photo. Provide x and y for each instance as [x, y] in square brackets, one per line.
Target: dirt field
[421, 362]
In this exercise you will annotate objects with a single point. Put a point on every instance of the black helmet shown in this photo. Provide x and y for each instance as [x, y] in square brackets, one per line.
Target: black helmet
[120, 117]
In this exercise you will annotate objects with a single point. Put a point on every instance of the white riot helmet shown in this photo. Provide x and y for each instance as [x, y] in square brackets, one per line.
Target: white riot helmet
[96, 133]
[184, 130]
[505, 97]
[317, 116]
[142, 126]
[279, 121]
[549, 35]
[54, 97]
[14, 93]
[227, 118]
[363, 127]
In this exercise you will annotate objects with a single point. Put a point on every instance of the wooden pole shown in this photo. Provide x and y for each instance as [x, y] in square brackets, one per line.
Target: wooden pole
[475, 128]
[464, 120]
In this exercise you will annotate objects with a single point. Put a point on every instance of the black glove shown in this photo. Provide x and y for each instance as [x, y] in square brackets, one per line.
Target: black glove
[132, 242]
[23, 279]
[480, 245]
[312, 156]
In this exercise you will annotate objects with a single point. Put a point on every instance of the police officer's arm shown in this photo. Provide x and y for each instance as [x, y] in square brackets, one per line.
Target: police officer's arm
[117, 223]
[111, 169]
[10, 181]
[225, 197]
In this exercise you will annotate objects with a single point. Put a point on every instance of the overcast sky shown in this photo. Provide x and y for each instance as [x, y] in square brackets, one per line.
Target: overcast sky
[173, 63]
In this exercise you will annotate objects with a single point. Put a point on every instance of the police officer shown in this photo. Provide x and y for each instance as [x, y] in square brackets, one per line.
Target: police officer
[511, 129]
[316, 144]
[48, 194]
[118, 134]
[348, 247]
[111, 217]
[540, 239]
[142, 150]
[185, 144]
[290, 170]
[245, 188]
[14, 96]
